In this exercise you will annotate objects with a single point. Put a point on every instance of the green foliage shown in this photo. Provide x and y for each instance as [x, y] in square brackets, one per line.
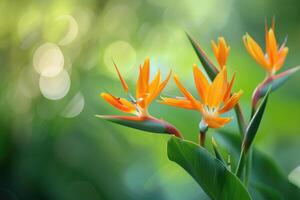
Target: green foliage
[211, 174]
[209, 67]
[266, 179]
[250, 134]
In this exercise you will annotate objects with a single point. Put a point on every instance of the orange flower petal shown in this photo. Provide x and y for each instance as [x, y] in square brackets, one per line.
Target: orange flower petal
[215, 49]
[124, 85]
[141, 92]
[162, 85]
[118, 103]
[201, 83]
[187, 94]
[267, 38]
[231, 102]
[216, 122]
[153, 87]
[182, 103]
[127, 103]
[256, 52]
[281, 58]
[229, 88]
[146, 72]
[217, 89]
[221, 51]
[249, 49]
[272, 43]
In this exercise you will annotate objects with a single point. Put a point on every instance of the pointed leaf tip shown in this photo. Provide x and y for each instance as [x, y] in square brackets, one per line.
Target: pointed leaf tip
[123, 82]
[217, 152]
[209, 67]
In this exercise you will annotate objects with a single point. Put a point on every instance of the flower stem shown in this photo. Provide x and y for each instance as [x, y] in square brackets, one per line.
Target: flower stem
[203, 127]
[248, 166]
[202, 137]
[240, 119]
[241, 163]
[257, 92]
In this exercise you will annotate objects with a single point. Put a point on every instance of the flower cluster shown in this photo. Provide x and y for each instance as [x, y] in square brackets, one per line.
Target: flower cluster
[214, 88]
[215, 98]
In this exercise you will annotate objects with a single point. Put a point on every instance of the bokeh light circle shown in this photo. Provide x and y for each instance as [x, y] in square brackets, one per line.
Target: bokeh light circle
[72, 29]
[48, 60]
[55, 88]
[74, 107]
[122, 53]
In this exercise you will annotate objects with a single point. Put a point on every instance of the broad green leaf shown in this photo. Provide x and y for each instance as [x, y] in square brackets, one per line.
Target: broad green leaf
[264, 172]
[209, 67]
[213, 176]
[264, 192]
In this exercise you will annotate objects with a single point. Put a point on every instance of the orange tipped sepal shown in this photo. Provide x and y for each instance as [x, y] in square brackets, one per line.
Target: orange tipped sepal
[146, 123]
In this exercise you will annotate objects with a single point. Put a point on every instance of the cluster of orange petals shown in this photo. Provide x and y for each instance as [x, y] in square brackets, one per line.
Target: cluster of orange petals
[221, 51]
[274, 57]
[146, 92]
[216, 97]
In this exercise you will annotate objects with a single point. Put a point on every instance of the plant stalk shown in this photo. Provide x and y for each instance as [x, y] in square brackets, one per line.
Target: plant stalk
[241, 163]
[248, 167]
[202, 132]
[240, 119]
[202, 136]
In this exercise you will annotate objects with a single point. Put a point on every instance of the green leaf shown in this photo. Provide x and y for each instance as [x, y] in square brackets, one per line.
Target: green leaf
[250, 135]
[213, 176]
[264, 169]
[217, 152]
[209, 67]
[267, 172]
[254, 124]
[264, 192]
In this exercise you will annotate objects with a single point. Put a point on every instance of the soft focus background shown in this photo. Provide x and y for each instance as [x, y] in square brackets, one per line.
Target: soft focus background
[55, 59]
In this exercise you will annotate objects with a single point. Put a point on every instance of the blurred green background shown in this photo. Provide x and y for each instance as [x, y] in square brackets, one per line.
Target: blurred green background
[55, 59]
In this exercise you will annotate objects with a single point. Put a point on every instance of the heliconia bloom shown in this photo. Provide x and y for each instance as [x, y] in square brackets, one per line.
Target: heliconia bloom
[146, 92]
[221, 51]
[275, 55]
[216, 97]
